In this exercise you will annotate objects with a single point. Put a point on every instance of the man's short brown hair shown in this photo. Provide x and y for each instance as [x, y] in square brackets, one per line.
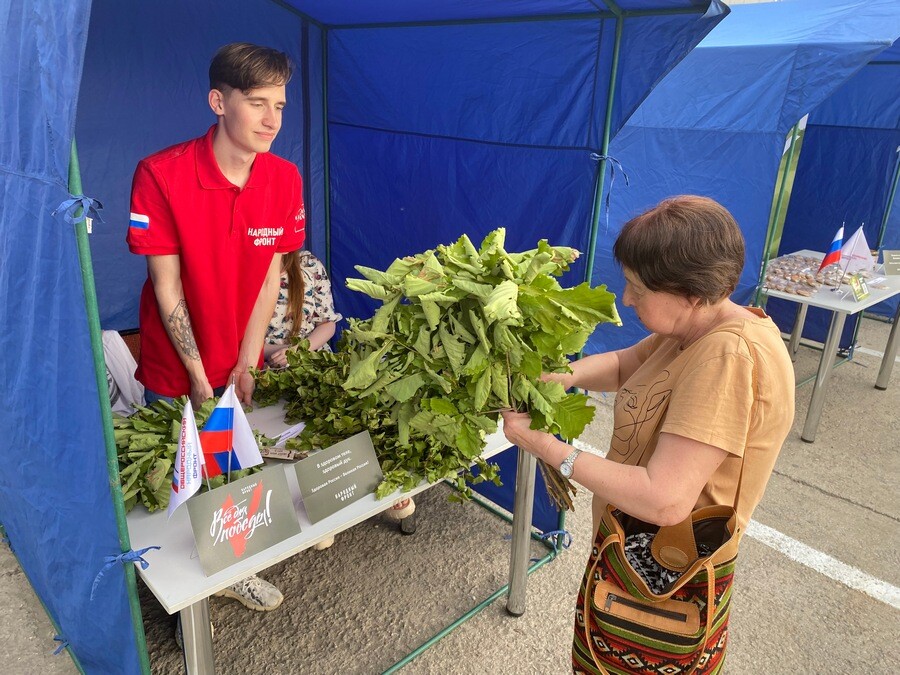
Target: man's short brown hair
[241, 65]
[687, 245]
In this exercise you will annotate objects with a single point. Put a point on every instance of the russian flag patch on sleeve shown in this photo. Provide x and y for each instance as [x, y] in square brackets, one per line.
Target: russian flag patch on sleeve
[139, 221]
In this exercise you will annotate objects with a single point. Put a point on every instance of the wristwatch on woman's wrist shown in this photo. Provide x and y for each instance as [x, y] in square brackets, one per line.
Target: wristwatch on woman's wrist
[568, 465]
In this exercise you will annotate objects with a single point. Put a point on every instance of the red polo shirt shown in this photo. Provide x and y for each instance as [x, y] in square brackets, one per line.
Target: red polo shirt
[225, 236]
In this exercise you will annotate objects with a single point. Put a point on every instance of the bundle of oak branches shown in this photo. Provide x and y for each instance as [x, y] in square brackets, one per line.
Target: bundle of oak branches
[462, 334]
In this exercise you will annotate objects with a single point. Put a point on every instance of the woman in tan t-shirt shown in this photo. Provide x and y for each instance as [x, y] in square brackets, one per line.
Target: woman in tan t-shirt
[686, 411]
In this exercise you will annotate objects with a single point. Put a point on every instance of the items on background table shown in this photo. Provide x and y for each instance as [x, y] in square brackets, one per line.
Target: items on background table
[797, 274]
[804, 275]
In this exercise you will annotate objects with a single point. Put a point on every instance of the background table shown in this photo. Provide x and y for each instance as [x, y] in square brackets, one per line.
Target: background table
[176, 579]
[841, 305]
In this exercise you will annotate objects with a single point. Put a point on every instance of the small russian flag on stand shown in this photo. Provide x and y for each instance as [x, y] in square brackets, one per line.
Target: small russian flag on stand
[227, 433]
[833, 255]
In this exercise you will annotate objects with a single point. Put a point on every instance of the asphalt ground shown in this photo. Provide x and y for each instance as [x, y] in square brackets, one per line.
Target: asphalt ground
[816, 587]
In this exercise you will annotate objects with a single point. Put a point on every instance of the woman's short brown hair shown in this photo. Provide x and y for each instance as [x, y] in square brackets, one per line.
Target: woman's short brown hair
[241, 65]
[687, 245]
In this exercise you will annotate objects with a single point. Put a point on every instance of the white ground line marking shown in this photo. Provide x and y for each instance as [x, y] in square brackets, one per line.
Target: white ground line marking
[872, 352]
[825, 564]
[805, 555]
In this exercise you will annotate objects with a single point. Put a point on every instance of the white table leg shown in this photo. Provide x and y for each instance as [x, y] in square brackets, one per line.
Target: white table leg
[890, 354]
[520, 552]
[797, 331]
[817, 401]
[196, 635]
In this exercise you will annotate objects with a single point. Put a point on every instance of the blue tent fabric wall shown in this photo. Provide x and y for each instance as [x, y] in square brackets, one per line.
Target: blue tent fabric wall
[716, 124]
[414, 165]
[55, 502]
[142, 89]
[845, 175]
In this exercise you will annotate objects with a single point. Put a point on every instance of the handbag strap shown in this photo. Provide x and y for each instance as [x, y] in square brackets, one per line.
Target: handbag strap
[755, 388]
[711, 606]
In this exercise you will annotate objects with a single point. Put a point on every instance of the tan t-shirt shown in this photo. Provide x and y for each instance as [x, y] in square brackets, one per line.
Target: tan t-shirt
[705, 392]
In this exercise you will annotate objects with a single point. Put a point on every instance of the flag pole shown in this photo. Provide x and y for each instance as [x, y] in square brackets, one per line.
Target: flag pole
[231, 431]
[205, 472]
[844, 273]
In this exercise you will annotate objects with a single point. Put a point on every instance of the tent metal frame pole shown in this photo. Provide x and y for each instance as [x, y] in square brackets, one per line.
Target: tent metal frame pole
[326, 149]
[604, 149]
[776, 214]
[613, 12]
[892, 193]
[112, 459]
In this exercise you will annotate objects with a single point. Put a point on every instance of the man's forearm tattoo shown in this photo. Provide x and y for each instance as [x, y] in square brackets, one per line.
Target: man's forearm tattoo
[180, 326]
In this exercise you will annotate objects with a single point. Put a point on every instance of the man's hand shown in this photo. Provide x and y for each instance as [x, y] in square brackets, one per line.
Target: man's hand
[200, 392]
[243, 385]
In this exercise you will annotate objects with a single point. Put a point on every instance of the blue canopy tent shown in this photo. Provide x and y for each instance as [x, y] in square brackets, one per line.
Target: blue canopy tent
[412, 123]
[716, 125]
[848, 172]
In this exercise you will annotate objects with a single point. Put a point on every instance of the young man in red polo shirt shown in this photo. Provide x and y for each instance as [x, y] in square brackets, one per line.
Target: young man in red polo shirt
[213, 216]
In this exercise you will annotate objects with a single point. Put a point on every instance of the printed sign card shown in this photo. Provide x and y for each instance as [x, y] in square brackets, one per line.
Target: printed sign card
[859, 287]
[240, 519]
[891, 262]
[337, 476]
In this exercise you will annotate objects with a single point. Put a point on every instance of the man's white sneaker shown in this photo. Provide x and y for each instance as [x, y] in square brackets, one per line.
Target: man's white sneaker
[254, 593]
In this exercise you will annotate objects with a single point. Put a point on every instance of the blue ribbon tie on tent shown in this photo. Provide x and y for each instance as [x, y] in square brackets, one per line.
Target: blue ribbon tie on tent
[87, 205]
[128, 556]
[63, 643]
[613, 163]
[552, 536]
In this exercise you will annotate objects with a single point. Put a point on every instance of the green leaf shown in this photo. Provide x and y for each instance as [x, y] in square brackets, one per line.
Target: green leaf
[477, 362]
[469, 441]
[473, 288]
[157, 476]
[460, 331]
[365, 372]
[371, 289]
[415, 286]
[432, 313]
[531, 364]
[479, 328]
[383, 315]
[406, 387]
[501, 303]
[500, 383]
[572, 414]
[482, 389]
[423, 341]
[453, 348]
[442, 406]
[381, 278]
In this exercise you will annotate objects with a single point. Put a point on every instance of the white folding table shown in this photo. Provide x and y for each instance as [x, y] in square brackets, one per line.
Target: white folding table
[841, 303]
[176, 579]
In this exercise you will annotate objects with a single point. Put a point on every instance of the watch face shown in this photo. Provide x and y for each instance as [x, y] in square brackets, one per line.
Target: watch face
[566, 469]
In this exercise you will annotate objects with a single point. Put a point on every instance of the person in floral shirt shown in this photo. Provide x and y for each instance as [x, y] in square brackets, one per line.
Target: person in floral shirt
[305, 292]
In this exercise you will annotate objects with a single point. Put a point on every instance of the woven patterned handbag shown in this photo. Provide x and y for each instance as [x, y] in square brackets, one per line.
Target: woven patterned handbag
[622, 626]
